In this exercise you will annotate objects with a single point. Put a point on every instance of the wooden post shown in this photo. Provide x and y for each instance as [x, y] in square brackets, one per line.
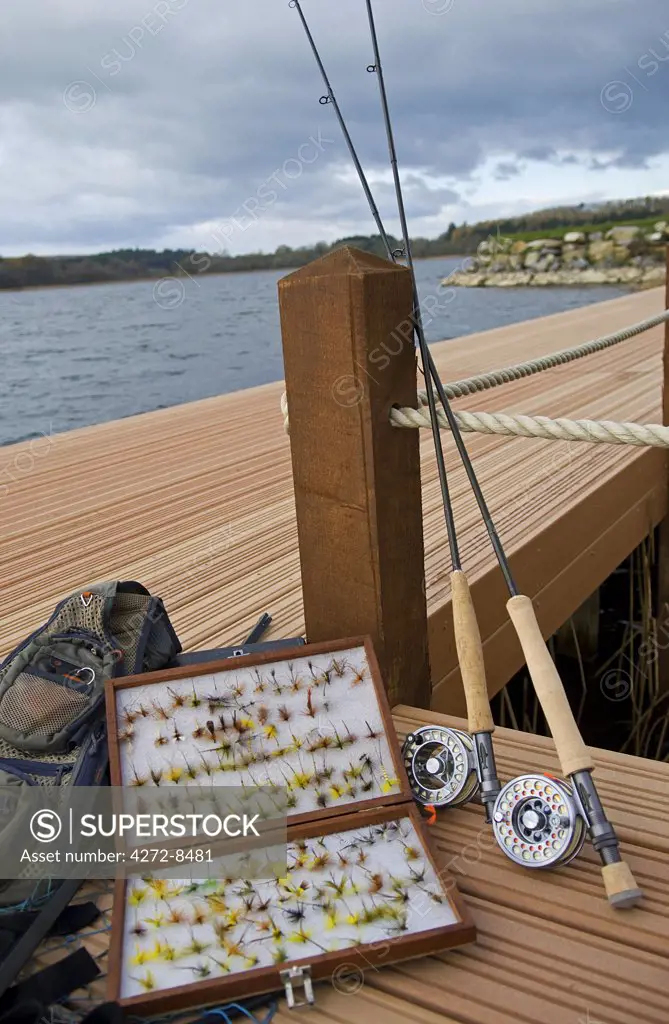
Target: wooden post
[349, 356]
[663, 532]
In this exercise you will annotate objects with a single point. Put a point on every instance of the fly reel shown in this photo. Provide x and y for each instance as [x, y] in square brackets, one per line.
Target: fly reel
[538, 822]
[441, 766]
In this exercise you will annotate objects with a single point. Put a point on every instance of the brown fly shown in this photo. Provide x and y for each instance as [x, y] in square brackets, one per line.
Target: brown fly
[178, 699]
[339, 667]
[138, 780]
[129, 716]
[311, 710]
[359, 677]
[260, 684]
[160, 712]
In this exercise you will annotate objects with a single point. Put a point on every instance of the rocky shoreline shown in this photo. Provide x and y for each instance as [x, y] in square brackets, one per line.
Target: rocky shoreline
[624, 255]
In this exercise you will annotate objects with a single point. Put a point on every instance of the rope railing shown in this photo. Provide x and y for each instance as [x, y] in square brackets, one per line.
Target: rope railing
[492, 379]
[594, 431]
[652, 435]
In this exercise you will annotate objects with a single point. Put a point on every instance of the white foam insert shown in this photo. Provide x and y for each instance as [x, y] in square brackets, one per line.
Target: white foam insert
[346, 706]
[215, 934]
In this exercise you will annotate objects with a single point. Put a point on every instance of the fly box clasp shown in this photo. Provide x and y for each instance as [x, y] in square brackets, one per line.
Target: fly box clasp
[297, 977]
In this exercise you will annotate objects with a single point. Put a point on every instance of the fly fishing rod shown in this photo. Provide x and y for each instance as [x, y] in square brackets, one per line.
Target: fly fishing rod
[450, 766]
[545, 818]
[540, 823]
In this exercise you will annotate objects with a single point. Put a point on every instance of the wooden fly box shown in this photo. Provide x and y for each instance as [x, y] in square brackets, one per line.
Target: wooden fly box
[362, 887]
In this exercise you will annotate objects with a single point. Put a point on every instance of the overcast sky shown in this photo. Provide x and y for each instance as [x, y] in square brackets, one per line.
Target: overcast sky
[178, 123]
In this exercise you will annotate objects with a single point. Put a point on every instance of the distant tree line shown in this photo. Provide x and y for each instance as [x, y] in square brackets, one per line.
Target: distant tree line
[137, 264]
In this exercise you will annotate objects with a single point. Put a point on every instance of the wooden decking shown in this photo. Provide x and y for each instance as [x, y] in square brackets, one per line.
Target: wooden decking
[196, 501]
[549, 948]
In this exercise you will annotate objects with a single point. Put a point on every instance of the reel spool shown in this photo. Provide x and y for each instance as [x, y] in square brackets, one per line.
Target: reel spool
[537, 821]
[441, 766]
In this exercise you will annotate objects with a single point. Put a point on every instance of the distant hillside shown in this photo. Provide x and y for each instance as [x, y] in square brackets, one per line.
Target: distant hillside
[137, 264]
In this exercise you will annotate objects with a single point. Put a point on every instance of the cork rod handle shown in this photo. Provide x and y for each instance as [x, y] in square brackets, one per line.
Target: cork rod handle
[571, 749]
[470, 655]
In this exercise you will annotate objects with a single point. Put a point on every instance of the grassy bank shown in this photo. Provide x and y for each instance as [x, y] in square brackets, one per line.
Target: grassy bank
[647, 223]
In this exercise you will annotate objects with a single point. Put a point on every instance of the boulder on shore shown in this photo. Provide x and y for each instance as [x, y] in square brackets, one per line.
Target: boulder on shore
[514, 279]
[593, 276]
[540, 261]
[620, 256]
[545, 243]
[628, 275]
[575, 254]
[598, 251]
[466, 278]
[624, 235]
[654, 275]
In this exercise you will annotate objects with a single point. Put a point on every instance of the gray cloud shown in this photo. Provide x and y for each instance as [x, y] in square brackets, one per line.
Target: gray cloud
[506, 170]
[541, 153]
[129, 123]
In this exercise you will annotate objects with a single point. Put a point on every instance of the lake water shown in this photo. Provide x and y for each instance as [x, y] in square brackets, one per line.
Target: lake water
[71, 357]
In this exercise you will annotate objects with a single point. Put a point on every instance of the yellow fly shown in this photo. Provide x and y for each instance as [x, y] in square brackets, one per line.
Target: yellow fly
[137, 896]
[148, 982]
[142, 956]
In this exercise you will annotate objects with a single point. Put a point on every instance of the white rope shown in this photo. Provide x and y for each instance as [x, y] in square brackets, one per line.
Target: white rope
[651, 435]
[599, 431]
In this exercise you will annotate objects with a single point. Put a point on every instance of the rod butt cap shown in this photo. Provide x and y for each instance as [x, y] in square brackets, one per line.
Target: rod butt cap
[621, 889]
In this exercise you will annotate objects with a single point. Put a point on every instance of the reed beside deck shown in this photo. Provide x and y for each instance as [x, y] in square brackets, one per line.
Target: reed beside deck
[197, 501]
